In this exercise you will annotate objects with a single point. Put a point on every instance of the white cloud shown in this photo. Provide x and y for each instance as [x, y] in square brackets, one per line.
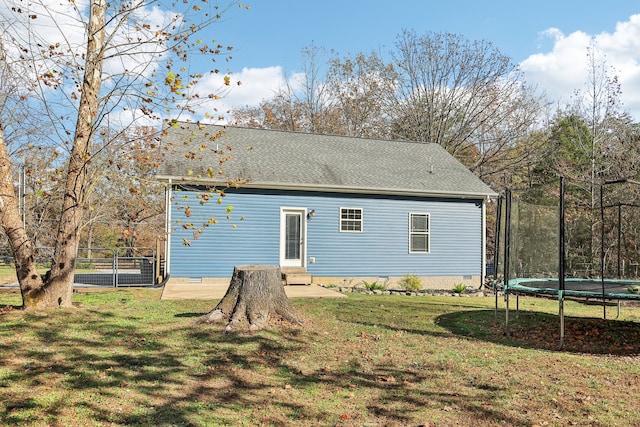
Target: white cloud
[563, 70]
[256, 85]
[136, 49]
[27, 28]
[121, 119]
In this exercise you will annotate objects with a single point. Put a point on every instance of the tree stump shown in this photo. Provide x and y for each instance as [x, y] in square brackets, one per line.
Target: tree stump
[255, 292]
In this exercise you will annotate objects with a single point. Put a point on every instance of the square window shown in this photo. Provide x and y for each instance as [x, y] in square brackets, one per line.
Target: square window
[351, 220]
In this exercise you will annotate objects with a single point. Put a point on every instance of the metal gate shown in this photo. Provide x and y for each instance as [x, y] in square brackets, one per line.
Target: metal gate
[116, 267]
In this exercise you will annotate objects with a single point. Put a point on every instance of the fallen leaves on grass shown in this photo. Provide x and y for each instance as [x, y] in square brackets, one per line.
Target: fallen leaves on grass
[7, 308]
[581, 335]
[369, 336]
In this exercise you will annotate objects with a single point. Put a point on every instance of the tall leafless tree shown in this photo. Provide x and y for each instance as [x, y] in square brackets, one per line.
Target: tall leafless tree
[464, 95]
[359, 86]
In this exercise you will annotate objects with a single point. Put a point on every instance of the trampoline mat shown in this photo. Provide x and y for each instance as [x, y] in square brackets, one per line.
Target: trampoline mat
[587, 288]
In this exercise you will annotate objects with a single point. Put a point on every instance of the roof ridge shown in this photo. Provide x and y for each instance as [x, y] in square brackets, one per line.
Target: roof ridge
[312, 134]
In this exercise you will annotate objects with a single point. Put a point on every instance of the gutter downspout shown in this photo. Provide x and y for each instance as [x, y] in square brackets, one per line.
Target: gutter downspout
[167, 228]
[484, 243]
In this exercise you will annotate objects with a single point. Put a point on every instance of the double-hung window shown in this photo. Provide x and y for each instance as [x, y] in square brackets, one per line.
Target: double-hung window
[351, 220]
[419, 229]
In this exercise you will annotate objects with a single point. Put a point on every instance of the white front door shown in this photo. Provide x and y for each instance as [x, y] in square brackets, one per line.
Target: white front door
[293, 233]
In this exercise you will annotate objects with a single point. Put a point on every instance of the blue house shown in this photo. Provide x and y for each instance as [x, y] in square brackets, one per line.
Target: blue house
[327, 209]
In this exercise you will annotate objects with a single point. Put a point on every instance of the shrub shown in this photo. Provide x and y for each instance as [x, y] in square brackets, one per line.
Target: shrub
[411, 282]
[460, 288]
[375, 286]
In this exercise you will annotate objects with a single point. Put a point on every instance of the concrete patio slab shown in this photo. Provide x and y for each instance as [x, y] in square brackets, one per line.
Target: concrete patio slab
[208, 291]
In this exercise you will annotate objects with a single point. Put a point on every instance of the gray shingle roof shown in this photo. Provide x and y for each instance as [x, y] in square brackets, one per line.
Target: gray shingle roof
[292, 160]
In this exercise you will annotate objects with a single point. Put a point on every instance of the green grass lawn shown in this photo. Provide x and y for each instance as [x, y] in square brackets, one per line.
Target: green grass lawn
[125, 358]
[7, 274]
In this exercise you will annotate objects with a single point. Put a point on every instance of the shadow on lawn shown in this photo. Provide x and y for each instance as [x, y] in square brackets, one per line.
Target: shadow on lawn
[528, 329]
[112, 369]
[401, 391]
[542, 331]
[362, 390]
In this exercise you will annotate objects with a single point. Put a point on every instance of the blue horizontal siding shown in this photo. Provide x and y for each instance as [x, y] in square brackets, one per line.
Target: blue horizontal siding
[382, 249]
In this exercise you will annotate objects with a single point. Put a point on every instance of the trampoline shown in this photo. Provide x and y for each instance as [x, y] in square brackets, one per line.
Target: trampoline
[530, 242]
[587, 289]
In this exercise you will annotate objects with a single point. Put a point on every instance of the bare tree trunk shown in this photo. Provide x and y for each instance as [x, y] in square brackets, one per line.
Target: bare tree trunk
[255, 292]
[37, 293]
[31, 284]
[89, 237]
[60, 277]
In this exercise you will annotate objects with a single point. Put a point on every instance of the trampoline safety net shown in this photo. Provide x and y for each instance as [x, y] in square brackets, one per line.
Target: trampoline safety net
[534, 240]
[532, 235]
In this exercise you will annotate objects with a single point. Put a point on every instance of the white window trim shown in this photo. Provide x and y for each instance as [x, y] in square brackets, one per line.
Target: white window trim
[361, 220]
[427, 233]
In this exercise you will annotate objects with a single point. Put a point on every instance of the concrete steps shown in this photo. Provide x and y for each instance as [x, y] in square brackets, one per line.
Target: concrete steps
[296, 276]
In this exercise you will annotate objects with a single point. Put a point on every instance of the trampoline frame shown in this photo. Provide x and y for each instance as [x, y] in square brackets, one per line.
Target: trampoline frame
[514, 286]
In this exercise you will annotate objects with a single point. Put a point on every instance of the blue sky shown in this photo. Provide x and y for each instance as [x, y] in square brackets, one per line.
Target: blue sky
[547, 38]
[272, 32]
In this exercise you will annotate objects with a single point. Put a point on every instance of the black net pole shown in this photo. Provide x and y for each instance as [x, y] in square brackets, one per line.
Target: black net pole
[619, 239]
[604, 303]
[561, 260]
[507, 251]
[496, 254]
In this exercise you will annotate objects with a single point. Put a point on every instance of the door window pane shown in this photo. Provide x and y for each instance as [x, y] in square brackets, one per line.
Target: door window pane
[292, 238]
